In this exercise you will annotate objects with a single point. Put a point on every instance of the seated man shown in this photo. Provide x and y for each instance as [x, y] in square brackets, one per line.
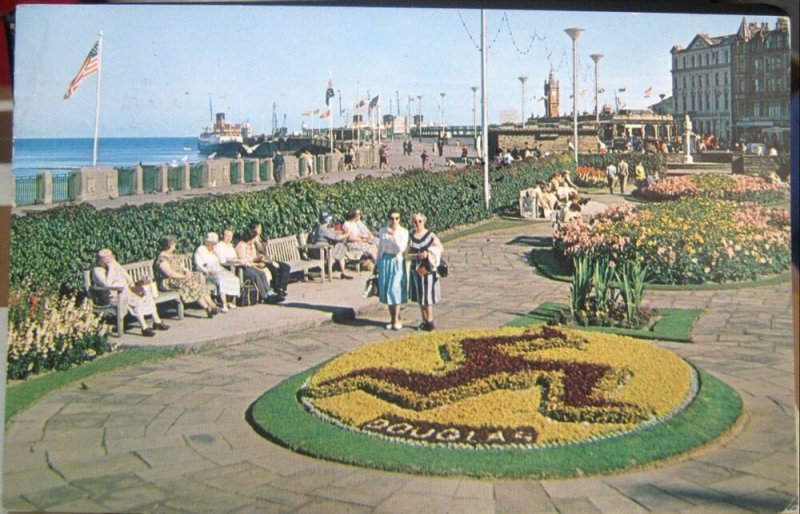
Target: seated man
[324, 233]
[227, 256]
[136, 298]
[207, 261]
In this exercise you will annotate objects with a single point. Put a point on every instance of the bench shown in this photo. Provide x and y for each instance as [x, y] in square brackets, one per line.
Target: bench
[287, 249]
[99, 295]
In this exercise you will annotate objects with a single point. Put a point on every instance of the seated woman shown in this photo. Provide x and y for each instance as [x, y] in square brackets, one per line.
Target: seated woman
[172, 275]
[359, 236]
[573, 210]
[547, 201]
[564, 187]
[228, 257]
[324, 233]
[249, 256]
[137, 299]
[207, 261]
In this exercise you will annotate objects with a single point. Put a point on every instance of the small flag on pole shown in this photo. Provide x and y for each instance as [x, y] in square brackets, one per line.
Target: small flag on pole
[621, 90]
[316, 111]
[90, 65]
[329, 92]
[307, 113]
[648, 92]
[325, 114]
[360, 104]
[374, 102]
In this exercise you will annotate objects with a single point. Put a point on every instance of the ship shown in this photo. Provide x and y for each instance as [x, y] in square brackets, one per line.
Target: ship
[224, 139]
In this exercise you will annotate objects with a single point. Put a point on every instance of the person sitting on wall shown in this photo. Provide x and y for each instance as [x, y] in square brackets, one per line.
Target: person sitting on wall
[136, 298]
[207, 261]
[228, 257]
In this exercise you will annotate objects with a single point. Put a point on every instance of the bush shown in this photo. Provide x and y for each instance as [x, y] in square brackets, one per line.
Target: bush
[51, 332]
[651, 162]
[689, 241]
[53, 248]
[715, 185]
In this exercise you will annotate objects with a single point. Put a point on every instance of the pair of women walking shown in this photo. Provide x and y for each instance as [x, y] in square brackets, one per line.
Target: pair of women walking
[407, 268]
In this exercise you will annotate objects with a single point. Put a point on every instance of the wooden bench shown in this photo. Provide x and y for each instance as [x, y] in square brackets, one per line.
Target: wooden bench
[101, 296]
[287, 249]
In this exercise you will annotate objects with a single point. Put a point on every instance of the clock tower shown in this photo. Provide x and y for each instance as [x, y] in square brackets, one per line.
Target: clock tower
[551, 97]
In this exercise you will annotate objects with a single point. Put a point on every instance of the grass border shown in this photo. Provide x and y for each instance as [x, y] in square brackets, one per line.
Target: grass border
[544, 268]
[279, 417]
[20, 395]
[674, 325]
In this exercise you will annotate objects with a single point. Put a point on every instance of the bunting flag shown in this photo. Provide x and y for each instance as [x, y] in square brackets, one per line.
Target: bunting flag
[329, 92]
[648, 92]
[90, 65]
[621, 90]
[325, 114]
[360, 104]
[307, 113]
[374, 102]
[316, 111]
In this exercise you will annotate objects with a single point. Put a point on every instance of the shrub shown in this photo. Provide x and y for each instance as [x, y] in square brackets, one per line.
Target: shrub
[715, 185]
[54, 247]
[50, 332]
[689, 241]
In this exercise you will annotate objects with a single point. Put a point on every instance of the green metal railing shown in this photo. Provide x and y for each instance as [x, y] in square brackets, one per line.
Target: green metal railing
[126, 181]
[150, 179]
[27, 190]
[249, 168]
[263, 171]
[234, 172]
[64, 187]
[175, 178]
[197, 174]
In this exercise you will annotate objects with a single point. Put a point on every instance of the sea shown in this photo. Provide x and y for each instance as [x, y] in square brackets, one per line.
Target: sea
[31, 156]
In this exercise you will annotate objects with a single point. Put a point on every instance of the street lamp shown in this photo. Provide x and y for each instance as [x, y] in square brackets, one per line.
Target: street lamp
[474, 121]
[419, 117]
[574, 33]
[442, 95]
[596, 58]
[522, 79]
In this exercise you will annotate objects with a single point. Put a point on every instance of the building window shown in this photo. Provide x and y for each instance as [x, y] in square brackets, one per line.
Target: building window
[757, 110]
[684, 81]
[757, 85]
[726, 101]
[693, 61]
[726, 78]
[684, 62]
[716, 79]
[775, 110]
[757, 64]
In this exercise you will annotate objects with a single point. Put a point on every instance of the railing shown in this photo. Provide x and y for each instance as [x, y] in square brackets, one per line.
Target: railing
[196, 176]
[126, 181]
[175, 178]
[263, 171]
[249, 168]
[150, 175]
[64, 187]
[27, 190]
[234, 173]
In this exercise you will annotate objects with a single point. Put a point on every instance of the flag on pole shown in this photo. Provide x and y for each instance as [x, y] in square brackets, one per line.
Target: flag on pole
[374, 102]
[621, 90]
[361, 104]
[329, 92]
[307, 113]
[90, 65]
[648, 92]
[325, 114]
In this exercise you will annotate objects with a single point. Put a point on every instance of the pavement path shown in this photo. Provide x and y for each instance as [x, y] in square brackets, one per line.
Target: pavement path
[171, 436]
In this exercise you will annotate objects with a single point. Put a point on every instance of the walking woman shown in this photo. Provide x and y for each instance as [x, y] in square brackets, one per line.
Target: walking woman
[392, 275]
[425, 252]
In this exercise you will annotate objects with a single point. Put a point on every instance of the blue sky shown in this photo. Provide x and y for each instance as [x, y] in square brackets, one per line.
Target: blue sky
[160, 63]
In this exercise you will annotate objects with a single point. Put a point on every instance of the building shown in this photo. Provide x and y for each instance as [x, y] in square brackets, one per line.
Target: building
[508, 117]
[735, 87]
[761, 79]
[551, 97]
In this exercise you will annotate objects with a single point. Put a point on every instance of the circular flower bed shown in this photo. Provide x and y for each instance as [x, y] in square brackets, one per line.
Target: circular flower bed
[715, 185]
[537, 403]
[546, 387]
[689, 241]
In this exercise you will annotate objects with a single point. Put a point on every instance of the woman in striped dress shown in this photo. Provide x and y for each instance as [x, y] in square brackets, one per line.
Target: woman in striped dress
[392, 274]
[425, 252]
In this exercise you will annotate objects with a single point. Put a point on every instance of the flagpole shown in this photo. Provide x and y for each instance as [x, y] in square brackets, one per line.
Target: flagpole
[487, 195]
[97, 96]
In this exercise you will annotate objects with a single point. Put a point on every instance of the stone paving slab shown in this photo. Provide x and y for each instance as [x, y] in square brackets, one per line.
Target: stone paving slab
[180, 442]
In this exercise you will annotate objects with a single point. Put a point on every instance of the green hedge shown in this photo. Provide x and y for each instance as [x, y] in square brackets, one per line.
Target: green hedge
[601, 161]
[54, 247]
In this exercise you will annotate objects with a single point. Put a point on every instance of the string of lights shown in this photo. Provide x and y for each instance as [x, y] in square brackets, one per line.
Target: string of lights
[477, 46]
[533, 39]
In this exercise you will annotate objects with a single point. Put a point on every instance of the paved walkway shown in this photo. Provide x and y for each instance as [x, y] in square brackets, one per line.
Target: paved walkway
[171, 436]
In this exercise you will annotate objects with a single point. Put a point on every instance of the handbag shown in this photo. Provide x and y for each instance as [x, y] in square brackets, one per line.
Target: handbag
[138, 287]
[249, 294]
[442, 270]
[371, 287]
[423, 268]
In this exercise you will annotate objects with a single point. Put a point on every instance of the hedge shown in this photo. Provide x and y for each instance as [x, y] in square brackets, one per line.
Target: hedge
[53, 248]
[601, 161]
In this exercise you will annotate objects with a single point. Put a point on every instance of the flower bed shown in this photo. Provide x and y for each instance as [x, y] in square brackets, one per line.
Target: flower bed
[539, 388]
[715, 185]
[588, 176]
[689, 241]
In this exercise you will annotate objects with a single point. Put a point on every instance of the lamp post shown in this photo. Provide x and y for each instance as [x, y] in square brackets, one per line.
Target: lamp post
[574, 33]
[419, 117]
[408, 115]
[522, 80]
[474, 120]
[442, 95]
[596, 58]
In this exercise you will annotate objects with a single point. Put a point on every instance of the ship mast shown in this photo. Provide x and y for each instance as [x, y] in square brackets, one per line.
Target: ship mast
[274, 118]
[210, 109]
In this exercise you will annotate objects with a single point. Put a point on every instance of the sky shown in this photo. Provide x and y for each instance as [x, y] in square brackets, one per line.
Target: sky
[162, 63]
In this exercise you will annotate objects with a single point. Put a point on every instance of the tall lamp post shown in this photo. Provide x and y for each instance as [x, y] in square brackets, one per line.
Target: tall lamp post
[596, 58]
[419, 117]
[474, 120]
[574, 33]
[408, 114]
[522, 80]
[442, 95]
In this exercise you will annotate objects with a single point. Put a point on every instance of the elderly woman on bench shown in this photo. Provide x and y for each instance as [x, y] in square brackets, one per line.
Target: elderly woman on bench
[207, 261]
[138, 298]
[172, 275]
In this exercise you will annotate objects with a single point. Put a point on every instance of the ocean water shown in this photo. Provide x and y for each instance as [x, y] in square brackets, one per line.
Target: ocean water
[33, 155]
